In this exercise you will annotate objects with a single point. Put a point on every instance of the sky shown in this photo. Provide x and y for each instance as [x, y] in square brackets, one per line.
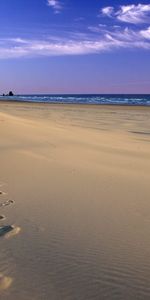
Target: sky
[74, 46]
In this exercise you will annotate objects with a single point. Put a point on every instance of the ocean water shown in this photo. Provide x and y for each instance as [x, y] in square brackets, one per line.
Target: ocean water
[143, 100]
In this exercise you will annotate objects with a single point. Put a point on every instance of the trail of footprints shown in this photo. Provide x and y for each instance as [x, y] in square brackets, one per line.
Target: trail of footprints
[6, 231]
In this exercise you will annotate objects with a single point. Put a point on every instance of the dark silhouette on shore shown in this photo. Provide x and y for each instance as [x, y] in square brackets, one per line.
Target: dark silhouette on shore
[9, 94]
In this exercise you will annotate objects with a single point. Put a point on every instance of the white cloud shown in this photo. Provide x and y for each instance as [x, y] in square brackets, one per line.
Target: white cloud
[146, 33]
[108, 11]
[134, 14]
[55, 4]
[82, 44]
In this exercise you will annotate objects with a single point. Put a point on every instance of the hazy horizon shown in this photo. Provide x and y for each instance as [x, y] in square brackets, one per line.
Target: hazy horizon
[68, 94]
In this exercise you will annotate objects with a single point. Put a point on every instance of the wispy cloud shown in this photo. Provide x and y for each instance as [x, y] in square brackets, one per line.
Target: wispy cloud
[56, 5]
[106, 40]
[134, 14]
[98, 28]
[108, 11]
[146, 33]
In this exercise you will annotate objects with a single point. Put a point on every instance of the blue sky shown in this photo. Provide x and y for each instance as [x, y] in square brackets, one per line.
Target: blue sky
[72, 46]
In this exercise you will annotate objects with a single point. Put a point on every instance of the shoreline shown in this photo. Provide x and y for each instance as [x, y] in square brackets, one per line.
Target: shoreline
[76, 104]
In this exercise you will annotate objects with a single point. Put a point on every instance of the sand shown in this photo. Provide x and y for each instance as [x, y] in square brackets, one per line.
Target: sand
[80, 179]
[76, 146]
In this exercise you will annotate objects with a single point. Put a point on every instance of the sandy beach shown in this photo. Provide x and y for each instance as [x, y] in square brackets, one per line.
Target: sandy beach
[79, 177]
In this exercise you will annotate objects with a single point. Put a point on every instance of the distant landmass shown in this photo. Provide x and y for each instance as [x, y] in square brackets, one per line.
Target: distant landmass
[9, 94]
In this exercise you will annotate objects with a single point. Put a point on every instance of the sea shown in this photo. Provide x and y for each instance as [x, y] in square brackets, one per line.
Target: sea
[97, 99]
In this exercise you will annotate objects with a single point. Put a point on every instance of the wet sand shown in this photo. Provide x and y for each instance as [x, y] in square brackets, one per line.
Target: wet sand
[79, 179]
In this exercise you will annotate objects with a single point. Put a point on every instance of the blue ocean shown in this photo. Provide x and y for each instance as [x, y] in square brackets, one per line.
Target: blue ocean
[141, 100]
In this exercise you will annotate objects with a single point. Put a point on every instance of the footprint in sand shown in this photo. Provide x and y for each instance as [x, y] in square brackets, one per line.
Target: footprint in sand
[2, 193]
[2, 217]
[5, 229]
[8, 231]
[5, 282]
[15, 230]
[6, 203]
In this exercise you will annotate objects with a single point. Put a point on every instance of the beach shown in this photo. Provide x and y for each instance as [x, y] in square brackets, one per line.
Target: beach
[79, 176]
